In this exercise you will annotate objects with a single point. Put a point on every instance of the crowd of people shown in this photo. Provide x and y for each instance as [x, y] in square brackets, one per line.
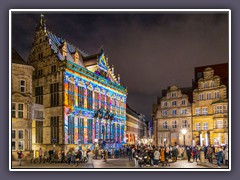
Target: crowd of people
[151, 155]
[155, 156]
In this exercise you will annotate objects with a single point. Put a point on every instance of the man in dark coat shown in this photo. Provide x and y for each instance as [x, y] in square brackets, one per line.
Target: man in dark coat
[188, 154]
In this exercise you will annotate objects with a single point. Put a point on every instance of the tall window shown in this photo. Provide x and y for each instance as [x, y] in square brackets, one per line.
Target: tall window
[70, 94]
[89, 99]
[39, 72]
[96, 100]
[205, 126]
[174, 103]
[108, 102]
[14, 110]
[115, 105]
[205, 85]
[89, 130]
[39, 95]
[174, 124]
[53, 68]
[225, 109]
[183, 102]
[102, 100]
[184, 111]
[164, 112]
[20, 145]
[54, 94]
[55, 130]
[174, 112]
[212, 84]
[13, 145]
[118, 107]
[216, 95]
[174, 94]
[198, 126]
[219, 124]
[39, 131]
[13, 134]
[20, 110]
[200, 96]
[165, 104]
[80, 130]
[204, 110]
[184, 123]
[70, 130]
[22, 86]
[80, 97]
[209, 96]
[197, 111]
[20, 134]
[165, 126]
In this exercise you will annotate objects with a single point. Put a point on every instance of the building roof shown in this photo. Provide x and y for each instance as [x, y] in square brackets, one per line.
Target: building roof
[219, 69]
[132, 112]
[56, 44]
[16, 58]
[185, 90]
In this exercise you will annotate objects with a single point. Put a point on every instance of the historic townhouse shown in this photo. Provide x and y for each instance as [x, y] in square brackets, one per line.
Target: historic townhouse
[210, 110]
[84, 101]
[21, 104]
[136, 127]
[172, 116]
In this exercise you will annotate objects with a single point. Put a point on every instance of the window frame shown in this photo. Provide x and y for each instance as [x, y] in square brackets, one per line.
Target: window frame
[198, 126]
[174, 112]
[23, 134]
[22, 86]
[20, 111]
[205, 111]
[205, 125]
[174, 124]
[197, 110]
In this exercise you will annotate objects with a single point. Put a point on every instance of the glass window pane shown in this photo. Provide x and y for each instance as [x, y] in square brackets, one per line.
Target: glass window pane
[20, 106]
[20, 145]
[13, 134]
[20, 114]
[13, 145]
[20, 134]
[22, 83]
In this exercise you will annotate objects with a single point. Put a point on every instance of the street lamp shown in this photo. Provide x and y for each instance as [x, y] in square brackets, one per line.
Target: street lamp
[184, 131]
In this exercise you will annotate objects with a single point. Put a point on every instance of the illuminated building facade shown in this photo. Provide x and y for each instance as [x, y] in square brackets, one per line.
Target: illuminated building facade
[84, 101]
[210, 110]
[173, 114]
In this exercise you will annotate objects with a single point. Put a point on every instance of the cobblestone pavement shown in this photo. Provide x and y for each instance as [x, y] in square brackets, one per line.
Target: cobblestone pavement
[117, 163]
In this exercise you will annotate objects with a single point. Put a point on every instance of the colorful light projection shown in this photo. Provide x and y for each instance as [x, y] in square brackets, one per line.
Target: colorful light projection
[94, 127]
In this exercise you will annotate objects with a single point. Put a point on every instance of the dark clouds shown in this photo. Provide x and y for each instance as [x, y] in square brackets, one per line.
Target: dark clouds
[150, 51]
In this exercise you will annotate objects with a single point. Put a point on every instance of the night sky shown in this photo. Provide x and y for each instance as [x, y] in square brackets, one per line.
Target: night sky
[150, 51]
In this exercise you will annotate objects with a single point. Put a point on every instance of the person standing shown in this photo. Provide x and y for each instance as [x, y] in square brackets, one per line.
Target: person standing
[162, 155]
[156, 158]
[188, 154]
[209, 154]
[40, 153]
[135, 156]
[219, 157]
[225, 152]
[20, 156]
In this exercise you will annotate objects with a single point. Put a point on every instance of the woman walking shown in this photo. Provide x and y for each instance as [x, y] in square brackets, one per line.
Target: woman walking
[156, 158]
